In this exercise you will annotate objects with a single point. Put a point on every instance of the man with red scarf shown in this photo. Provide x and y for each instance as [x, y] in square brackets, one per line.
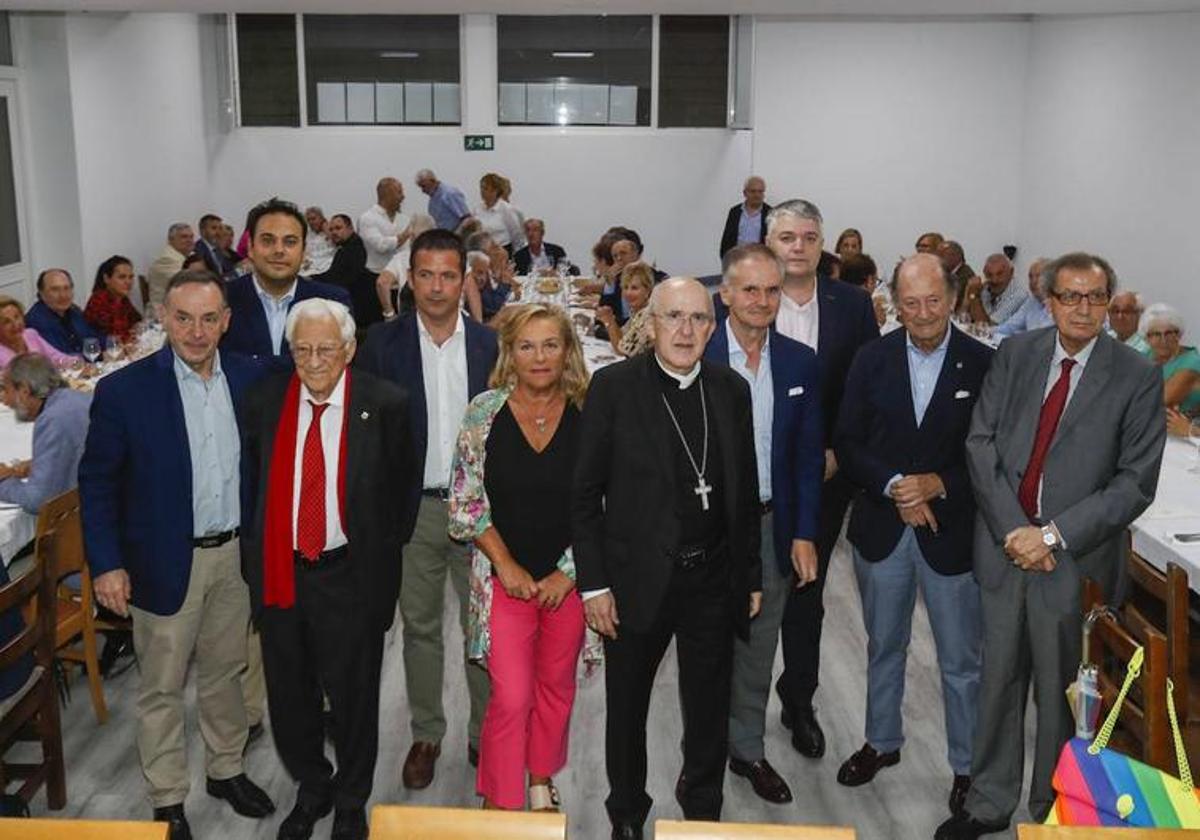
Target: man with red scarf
[326, 455]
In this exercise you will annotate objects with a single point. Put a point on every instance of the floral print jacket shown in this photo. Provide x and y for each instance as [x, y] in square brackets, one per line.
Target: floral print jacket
[471, 515]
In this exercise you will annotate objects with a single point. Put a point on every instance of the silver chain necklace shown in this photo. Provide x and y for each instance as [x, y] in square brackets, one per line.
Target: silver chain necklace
[702, 488]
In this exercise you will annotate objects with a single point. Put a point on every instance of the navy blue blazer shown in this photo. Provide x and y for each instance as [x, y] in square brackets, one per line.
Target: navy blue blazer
[248, 333]
[392, 350]
[50, 327]
[878, 437]
[797, 439]
[135, 478]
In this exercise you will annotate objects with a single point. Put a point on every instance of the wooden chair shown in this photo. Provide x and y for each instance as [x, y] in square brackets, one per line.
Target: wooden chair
[695, 830]
[1161, 599]
[408, 822]
[13, 829]
[1144, 731]
[1030, 831]
[76, 610]
[31, 714]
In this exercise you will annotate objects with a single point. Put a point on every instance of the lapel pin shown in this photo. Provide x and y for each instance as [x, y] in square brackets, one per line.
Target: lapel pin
[958, 365]
[365, 415]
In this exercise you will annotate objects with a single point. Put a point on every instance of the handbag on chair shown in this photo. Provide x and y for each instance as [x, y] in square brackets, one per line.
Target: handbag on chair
[1101, 787]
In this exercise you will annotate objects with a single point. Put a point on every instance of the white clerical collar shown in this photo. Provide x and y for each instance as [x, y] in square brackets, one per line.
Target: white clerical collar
[684, 379]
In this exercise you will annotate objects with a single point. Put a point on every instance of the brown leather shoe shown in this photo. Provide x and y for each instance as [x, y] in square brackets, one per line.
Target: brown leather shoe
[861, 767]
[958, 794]
[768, 784]
[418, 767]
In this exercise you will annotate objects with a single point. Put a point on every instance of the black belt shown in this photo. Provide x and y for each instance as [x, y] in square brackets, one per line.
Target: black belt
[325, 558]
[214, 540]
[765, 507]
[695, 556]
[442, 493]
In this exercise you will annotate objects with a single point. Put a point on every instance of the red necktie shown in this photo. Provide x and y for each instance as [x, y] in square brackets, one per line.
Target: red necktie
[310, 519]
[1052, 410]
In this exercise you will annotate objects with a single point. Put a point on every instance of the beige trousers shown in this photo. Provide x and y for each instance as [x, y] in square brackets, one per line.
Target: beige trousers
[254, 686]
[217, 600]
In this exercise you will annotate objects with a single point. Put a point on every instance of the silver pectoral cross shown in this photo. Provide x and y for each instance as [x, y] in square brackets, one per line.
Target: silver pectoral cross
[702, 489]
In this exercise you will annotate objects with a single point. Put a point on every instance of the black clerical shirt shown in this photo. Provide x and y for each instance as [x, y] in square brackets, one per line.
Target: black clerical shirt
[697, 526]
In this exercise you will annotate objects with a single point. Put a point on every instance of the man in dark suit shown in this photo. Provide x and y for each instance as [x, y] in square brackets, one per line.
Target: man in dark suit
[538, 254]
[55, 315]
[900, 441]
[834, 319]
[442, 360]
[208, 246]
[1064, 452]
[259, 301]
[159, 487]
[349, 267]
[789, 443]
[666, 519]
[747, 222]
[324, 575]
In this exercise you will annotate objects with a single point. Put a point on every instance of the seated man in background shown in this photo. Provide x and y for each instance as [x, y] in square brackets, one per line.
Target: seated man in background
[996, 299]
[349, 262]
[952, 256]
[539, 255]
[181, 239]
[55, 316]
[860, 270]
[1124, 313]
[1034, 313]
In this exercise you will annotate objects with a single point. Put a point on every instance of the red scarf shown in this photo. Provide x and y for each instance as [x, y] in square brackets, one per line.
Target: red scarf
[279, 573]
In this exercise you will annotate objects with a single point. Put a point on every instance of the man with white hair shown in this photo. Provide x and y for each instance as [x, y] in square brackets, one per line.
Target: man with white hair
[327, 454]
[747, 222]
[1124, 316]
[1034, 313]
[181, 239]
[447, 204]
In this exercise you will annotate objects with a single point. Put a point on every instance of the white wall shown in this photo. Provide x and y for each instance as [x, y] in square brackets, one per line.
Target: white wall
[895, 128]
[1113, 140]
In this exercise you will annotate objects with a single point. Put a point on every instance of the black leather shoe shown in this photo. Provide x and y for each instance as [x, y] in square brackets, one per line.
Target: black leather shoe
[298, 825]
[349, 824]
[174, 817]
[768, 784]
[247, 798]
[117, 646]
[680, 789]
[807, 737]
[958, 794]
[861, 767]
[965, 827]
[472, 755]
[626, 831]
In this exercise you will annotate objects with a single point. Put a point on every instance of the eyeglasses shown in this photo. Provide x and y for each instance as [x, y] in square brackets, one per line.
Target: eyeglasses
[1099, 297]
[324, 352]
[675, 319]
[1154, 335]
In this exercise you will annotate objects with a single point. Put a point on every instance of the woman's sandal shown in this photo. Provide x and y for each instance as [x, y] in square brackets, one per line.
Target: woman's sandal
[544, 798]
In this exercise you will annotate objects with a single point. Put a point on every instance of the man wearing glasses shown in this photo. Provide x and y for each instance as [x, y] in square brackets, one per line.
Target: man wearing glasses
[666, 522]
[1064, 451]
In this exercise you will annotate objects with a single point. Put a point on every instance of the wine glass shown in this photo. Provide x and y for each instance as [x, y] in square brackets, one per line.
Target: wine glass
[1194, 437]
[91, 349]
[112, 349]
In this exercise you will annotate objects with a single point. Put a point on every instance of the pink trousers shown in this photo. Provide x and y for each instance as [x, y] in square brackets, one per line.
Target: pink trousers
[532, 664]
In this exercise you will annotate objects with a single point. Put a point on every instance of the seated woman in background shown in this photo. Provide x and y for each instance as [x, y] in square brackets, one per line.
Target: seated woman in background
[16, 338]
[510, 494]
[632, 337]
[496, 216]
[849, 243]
[109, 309]
[1163, 327]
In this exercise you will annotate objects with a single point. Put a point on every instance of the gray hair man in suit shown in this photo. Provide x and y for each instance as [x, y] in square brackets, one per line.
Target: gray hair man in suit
[1064, 451]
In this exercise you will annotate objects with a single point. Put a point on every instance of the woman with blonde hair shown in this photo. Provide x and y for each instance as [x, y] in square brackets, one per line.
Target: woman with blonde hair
[634, 336]
[510, 492]
[496, 216]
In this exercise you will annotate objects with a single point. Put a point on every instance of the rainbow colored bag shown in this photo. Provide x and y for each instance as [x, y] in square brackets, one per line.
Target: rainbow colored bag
[1098, 786]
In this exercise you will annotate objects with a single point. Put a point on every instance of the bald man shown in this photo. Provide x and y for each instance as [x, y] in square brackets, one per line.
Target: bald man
[1034, 313]
[384, 231]
[999, 298]
[747, 222]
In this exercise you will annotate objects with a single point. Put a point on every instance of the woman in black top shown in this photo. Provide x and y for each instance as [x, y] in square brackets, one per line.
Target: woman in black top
[510, 495]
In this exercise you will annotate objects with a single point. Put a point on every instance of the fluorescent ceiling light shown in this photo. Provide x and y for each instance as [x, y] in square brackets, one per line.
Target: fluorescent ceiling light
[573, 54]
[399, 54]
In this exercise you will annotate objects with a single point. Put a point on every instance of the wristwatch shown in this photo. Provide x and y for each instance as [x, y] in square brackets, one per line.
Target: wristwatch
[1049, 538]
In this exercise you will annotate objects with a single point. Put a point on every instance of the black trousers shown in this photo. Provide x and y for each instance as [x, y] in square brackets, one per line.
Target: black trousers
[801, 629]
[324, 645]
[696, 612]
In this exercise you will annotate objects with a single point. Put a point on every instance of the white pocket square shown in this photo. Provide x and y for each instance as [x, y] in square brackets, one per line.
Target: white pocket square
[795, 392]
[961, 395]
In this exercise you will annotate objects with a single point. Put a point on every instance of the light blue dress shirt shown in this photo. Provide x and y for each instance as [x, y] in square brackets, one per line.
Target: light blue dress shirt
[1032, 315]
[276, 310]
[923, 372]
[750, 226]
[762, 401]
[447, 206]
[215, 448]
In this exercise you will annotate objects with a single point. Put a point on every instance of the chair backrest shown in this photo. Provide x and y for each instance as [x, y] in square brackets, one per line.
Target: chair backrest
[16, 829]
[1161, 599]
[33, 594]
[1031, 831]
[696, 830]
[408, 822]
[61, 515]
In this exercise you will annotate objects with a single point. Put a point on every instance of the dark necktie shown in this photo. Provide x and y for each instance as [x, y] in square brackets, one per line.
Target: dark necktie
[310, 518]
[1052, 410]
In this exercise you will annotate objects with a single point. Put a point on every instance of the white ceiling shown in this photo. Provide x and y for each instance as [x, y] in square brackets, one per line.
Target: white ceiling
[822, 8]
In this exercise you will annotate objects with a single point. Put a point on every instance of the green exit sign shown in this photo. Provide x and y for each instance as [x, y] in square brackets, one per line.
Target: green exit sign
[479, 143]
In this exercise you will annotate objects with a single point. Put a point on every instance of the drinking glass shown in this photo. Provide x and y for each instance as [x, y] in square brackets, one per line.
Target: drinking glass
[1194, 437]
[91, 349]
[112, 349]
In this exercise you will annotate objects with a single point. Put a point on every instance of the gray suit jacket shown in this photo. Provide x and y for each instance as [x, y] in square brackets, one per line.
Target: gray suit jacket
[1101, 471]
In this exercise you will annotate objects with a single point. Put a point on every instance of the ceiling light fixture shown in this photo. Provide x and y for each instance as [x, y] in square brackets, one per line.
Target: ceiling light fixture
[399, 54]
[570, 54]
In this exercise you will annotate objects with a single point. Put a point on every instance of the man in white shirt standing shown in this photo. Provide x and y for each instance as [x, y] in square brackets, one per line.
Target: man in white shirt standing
[384, 230]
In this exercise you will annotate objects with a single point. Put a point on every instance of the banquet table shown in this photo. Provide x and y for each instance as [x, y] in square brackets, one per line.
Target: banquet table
[16, 444]
[1176, 510]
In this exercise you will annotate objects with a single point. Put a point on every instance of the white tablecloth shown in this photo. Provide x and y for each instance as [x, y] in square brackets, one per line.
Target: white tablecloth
[1176, 510]
[16, 443]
